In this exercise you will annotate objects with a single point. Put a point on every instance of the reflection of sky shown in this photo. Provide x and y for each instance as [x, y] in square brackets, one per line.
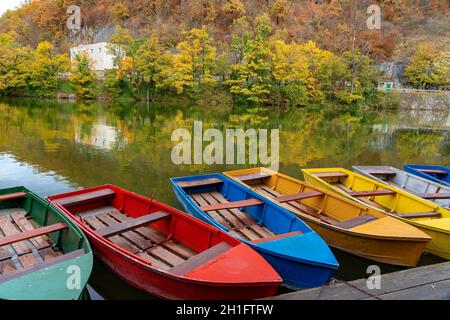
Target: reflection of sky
[13, 172]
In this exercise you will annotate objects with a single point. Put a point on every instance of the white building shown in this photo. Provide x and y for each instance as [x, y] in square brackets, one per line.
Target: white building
[98, 53]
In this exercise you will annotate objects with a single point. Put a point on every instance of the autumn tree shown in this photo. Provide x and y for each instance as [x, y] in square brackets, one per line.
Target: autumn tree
[123, 48]
[193, 65]
[278, 10]
[14, 65]
[291, 73]
[152, 64]
[45, 68]
[249, 79]
[428, 67]
[234, 8]
[83, 78]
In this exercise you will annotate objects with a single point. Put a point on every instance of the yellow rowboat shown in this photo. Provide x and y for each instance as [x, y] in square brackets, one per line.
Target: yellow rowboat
[429, 217]
[344, 224]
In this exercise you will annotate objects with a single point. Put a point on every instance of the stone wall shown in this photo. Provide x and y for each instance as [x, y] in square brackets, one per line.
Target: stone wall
[425, 101]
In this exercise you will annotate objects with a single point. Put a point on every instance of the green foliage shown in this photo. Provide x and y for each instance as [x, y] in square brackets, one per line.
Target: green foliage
[257, 68]
[45, 67]
[111, 84]
[83, 78]
[152, 63]
[194, 64]
[14, 66]
[428, 68]
[249, 79]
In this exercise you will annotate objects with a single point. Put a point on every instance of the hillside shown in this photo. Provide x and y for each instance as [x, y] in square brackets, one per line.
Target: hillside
[331, 23]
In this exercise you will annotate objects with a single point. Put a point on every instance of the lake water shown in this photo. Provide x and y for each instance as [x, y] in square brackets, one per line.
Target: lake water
[53, 147]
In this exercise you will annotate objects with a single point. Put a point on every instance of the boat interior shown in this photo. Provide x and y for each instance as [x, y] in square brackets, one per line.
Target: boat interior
[244, 216]
[409, 182]
[32, 237]
[437, 174]
[306, 201]
[378, 195]
[146, 228]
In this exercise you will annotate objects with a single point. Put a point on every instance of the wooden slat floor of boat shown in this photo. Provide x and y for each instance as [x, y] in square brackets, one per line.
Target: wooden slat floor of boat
[246, 218]
[27, 253]
[238, 222]
[295, 205]
[146, 242]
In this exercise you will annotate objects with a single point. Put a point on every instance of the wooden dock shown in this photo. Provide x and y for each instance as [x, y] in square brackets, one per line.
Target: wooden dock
[424, 283]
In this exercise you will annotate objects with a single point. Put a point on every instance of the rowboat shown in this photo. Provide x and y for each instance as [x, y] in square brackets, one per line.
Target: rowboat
[342, 223]
[436, 174]
[43, 255]
[427, 216]
[298, 254]
[423, 188]
[163, 251]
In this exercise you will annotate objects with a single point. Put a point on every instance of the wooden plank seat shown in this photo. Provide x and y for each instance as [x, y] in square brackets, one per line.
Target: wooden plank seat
[238, 222]
[232, 205]
[371, 193]
[277, 237]
[252, 177]
[355, 222]
[434, 171]
[200, 259]
[412, 215]
[299, 196]
[41, 265]
[368, 201]
[331, 175]
[199, 183]
[86, 197]
[434, 195]
[132, 224]
[380, 172]
[31, 233]
[12, 196]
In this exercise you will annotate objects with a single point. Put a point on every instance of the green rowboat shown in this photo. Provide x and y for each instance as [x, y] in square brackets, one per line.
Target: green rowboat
[43, 255]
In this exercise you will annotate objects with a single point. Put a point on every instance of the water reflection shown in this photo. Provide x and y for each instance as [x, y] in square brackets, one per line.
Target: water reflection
[54, 147]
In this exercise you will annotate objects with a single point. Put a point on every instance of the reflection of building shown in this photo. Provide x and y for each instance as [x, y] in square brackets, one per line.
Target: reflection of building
[102, 136]
[98, 53]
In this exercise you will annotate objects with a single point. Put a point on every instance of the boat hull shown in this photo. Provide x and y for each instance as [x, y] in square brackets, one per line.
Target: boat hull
[296, 274]
[159, 284]
[437, 229]
[380, 250]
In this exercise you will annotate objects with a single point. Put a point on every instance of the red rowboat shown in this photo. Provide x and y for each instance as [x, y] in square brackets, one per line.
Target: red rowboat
[164, 251]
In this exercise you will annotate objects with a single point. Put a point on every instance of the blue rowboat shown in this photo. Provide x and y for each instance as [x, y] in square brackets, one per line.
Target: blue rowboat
[296, 252]
[437, 174]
